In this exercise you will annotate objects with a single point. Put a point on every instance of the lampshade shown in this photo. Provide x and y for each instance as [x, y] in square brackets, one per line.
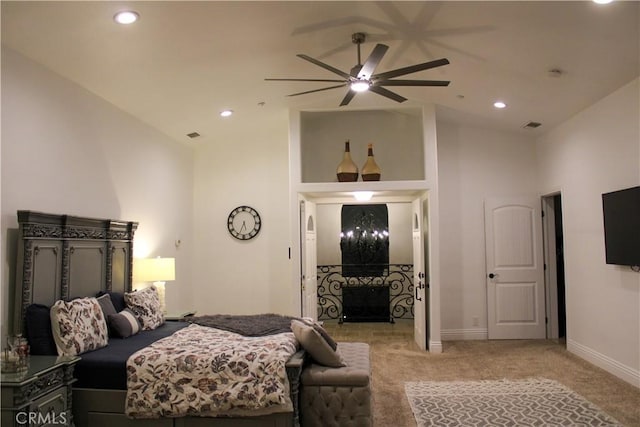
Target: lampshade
[154, 269]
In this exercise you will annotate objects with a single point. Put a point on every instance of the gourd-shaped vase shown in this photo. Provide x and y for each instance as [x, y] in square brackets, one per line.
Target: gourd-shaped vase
[370, 170]
[347, 170]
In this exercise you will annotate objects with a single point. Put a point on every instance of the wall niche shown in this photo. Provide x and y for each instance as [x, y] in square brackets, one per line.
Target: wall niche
[396, 135]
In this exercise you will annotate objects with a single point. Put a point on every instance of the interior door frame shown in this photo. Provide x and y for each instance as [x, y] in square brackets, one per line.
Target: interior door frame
[308, 279]
[550, 260]
[420, 279]
[430, 235]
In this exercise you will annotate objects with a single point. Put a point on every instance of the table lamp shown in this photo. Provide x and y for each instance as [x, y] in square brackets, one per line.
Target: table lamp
[157, 270]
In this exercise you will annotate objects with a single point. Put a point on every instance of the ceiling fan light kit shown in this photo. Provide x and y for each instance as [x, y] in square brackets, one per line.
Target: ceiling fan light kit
[361, 77]
[360, 86]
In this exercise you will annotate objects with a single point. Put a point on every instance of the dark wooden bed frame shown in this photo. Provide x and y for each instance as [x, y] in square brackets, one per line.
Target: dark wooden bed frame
[64, 256]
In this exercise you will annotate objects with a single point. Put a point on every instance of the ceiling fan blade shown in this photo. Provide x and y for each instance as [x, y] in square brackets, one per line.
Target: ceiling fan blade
[410, 69]
[387, 93]
[304, 80]
[372, 61]
[325, 66]
[317, 90]
[412, 83]
[348, 97]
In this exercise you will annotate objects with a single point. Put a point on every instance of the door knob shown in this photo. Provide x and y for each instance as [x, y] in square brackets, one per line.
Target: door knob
[491, 275]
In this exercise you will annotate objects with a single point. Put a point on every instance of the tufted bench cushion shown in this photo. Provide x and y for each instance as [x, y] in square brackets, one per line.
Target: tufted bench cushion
[332, 397]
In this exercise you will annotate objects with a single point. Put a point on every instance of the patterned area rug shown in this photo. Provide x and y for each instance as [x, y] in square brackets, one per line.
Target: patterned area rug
[531, 402]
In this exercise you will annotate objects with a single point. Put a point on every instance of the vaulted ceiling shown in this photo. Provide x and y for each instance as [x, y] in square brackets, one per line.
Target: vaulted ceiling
[183, 62]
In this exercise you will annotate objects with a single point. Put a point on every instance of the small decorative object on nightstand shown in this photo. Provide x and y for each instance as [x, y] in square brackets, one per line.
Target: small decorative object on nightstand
[40, 395]
[179, 317]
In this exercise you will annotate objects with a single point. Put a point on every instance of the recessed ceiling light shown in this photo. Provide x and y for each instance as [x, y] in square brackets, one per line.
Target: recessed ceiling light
[499, 104]
[126, 17]
[226, 113]
[602, 1]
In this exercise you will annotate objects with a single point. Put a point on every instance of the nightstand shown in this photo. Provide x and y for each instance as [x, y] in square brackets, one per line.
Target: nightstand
[179, 317]
[41, 395]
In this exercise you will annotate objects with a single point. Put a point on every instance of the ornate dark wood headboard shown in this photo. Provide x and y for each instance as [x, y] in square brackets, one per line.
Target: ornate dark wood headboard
[64, 256]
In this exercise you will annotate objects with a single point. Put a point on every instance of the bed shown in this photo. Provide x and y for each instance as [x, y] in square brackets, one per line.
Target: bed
[62, 257]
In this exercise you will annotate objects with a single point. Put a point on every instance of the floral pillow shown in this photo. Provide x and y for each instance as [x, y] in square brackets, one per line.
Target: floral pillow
[78, 326]
[145, 304]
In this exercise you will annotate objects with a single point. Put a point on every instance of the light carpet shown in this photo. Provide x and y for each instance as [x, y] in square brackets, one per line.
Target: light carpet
[530, 402]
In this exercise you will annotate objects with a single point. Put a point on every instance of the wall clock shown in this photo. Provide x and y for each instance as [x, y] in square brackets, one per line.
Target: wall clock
[244, 223]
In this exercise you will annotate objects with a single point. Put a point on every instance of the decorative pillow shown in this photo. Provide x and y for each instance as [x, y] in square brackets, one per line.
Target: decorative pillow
[145, 304]
[332, 343]
[37, 328]
[78, 326]
[106, 305]
[117, 298]
[315, 345]
[124, 324]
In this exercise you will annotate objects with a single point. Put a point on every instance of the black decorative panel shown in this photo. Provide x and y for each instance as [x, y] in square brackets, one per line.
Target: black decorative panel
[365, 304]
[364, 240]
[398, 279]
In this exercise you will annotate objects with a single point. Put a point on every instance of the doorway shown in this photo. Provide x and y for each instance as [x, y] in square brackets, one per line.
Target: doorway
[403, 279]
[554, 266]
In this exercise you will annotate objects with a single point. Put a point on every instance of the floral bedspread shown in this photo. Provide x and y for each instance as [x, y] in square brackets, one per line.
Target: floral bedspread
[205, 371]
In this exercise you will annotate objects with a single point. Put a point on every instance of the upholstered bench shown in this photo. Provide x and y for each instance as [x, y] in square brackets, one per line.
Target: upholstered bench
[331, 397]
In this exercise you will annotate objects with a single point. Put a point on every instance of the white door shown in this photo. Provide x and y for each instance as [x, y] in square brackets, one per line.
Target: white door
[419, 277]
[515, 275]
[309, 260]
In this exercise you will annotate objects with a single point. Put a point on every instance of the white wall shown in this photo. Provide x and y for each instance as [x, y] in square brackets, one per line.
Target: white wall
[244, 166]
[396, 135]
[473, 164]
[595, 152]
[67, 151]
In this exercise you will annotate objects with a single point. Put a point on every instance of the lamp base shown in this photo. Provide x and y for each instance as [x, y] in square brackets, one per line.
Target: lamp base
[160, 288]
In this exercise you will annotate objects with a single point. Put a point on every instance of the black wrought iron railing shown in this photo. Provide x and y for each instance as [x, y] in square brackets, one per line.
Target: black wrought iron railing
[397, 277]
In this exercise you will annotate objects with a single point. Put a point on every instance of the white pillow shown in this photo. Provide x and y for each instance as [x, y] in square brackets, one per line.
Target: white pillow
[145, 304]
[78, 326]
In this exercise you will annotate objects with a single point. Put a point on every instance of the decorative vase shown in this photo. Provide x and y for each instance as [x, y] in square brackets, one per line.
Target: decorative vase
[347, 170]
[370, 170]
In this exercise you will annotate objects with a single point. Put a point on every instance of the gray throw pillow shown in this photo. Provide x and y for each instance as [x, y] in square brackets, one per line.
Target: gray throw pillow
[332, 343]
[124, 324]
[311, 340]
[106, 305]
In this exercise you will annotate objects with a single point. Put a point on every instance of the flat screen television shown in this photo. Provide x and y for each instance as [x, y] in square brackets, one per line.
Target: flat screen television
[621, 211]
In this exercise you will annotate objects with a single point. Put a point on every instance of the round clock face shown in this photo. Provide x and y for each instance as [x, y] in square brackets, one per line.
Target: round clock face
[244, 223]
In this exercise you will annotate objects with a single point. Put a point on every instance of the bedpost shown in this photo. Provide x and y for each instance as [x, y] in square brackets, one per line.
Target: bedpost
[294, 371]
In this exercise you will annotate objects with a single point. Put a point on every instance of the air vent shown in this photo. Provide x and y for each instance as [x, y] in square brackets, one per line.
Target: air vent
[193, 135]
[531, 125]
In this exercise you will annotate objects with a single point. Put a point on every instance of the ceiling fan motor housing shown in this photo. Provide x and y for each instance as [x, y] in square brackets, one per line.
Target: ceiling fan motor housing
[358, 37]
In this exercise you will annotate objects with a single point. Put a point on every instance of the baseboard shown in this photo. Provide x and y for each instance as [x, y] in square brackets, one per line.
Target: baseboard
[463, 334]
[435, 347]
[626, 373]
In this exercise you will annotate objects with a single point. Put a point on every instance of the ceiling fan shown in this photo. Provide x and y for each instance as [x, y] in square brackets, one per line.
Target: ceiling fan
[361, 77]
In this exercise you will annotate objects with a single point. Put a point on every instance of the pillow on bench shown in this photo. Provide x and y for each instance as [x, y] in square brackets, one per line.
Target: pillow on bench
[314, 343]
